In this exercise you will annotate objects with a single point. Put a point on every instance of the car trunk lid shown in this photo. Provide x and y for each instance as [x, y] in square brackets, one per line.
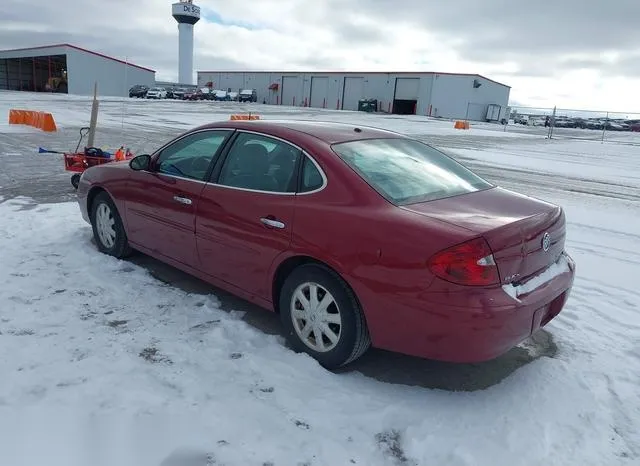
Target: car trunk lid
[525, 234]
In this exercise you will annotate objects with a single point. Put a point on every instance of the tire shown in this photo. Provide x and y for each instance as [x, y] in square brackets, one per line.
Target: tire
[118, 246]
[75, 180]
[353, 338]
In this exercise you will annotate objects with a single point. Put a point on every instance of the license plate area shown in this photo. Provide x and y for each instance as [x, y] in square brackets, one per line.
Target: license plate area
[540, 318]
[546, 313]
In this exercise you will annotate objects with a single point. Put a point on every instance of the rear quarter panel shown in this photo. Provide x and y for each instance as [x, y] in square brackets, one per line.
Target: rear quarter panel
[379, 249]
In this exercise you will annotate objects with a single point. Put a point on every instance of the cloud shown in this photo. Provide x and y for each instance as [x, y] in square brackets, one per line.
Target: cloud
[512, 27]
[550, 52]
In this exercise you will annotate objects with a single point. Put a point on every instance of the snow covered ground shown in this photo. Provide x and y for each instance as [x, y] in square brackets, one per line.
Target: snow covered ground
[103, 364]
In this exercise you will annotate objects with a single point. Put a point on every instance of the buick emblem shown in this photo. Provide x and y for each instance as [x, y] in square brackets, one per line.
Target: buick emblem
[546, 242]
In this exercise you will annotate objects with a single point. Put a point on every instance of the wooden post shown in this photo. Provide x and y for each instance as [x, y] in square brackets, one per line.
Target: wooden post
[94, 116]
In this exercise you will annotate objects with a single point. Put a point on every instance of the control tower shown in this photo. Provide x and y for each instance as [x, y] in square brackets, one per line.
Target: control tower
[186, 14]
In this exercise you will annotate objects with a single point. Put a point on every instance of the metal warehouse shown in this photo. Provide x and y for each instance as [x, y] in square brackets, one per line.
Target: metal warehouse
[445, 95]
[69, 69]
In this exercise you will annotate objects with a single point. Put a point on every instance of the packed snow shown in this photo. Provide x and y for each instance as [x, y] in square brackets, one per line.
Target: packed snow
[103, 364]
[554, 270]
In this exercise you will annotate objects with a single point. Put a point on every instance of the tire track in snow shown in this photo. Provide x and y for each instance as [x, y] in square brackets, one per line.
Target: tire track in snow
[623, 255]
[631, 236]
[518, 178]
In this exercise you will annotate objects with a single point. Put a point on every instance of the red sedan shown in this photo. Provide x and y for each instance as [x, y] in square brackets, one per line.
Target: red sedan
[355, 236]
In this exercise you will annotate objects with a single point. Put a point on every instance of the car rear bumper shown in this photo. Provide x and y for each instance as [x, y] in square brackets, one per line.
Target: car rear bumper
[477, 327]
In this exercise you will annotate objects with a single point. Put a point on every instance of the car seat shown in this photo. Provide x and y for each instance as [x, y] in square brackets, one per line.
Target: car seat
[254, 170]
[285, 162]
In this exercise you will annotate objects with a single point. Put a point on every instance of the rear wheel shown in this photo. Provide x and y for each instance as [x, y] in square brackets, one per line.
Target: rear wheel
[108, 229]
[322, 317]
[75, 180]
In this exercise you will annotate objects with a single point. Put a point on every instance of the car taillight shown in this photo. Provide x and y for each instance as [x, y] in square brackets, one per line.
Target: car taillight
[469, 263]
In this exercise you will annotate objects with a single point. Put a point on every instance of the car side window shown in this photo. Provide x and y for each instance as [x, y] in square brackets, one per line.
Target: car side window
[191, 156]
[311, 176]
[261, 163]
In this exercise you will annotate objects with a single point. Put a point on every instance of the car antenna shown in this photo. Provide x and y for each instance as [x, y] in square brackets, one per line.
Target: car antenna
[124, 96]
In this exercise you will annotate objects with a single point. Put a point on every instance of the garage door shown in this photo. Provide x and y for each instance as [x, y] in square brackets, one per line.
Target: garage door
[290, 90]
[4, 74]
[319, 91]
[353, 92]
[407, 88]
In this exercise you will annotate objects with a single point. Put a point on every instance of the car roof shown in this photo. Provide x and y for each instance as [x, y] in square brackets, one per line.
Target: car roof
[327, 131]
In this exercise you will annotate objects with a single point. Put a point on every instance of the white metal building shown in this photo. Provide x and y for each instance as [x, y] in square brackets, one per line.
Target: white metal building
[445, 95]
[67, 68]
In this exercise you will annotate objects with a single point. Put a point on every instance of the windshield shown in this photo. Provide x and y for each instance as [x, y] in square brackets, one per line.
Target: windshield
[406, 171]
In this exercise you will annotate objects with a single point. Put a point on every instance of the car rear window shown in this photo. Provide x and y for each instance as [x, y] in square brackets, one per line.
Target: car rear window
[406, 171]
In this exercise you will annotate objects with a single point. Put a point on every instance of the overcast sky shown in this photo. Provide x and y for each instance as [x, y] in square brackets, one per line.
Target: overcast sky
[582, 54]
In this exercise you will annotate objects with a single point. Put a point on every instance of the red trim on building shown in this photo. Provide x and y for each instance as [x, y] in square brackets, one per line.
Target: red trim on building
[81, 50]
[361, 72]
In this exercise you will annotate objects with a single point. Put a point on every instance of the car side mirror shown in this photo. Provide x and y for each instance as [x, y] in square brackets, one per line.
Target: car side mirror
[140, 162]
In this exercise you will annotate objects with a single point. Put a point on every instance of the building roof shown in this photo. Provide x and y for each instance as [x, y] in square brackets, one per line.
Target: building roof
[291, 72]
[75, 47]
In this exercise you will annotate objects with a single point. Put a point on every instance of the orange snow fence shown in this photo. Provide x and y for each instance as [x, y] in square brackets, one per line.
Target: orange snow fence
[40, 120]
[245, 117]
[460, 124]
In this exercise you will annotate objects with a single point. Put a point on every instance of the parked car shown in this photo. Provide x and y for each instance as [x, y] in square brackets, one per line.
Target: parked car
[613, 125]
[355, 236]
[179, 92]
[157, 93]
[521, 119]
[192, 94]
[139, 90]
[206, 93]
[621, 125]
[634, 125]
[170, 92]
[564, 122]
[247, 95]
[220, 95]
[594, 124]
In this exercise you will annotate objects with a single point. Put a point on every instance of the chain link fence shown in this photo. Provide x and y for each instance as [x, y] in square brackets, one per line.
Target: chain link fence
[560, 123]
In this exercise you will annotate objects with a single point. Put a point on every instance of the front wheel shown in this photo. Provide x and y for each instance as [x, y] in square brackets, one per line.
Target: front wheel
[108, 229]
[322, 317]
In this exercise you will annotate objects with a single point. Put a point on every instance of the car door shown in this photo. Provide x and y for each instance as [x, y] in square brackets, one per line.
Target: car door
[162, 202]
[245, 218]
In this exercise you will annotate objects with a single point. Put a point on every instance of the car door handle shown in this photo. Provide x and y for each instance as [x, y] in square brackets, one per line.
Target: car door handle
[271, 222]
[182, 200]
